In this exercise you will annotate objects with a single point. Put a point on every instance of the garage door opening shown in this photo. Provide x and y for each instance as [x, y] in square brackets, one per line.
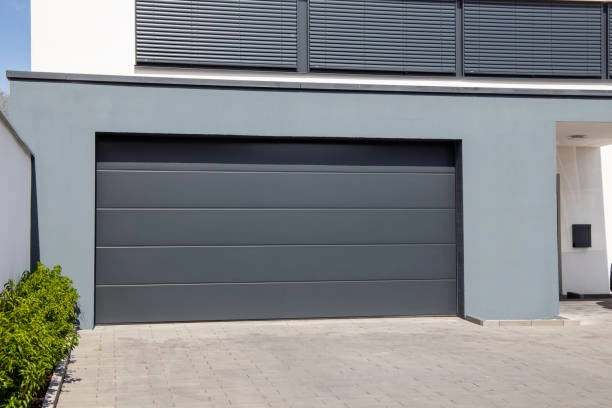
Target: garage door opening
[221, 228]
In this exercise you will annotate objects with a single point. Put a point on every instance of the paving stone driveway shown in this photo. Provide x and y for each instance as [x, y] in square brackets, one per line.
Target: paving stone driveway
[390, 362]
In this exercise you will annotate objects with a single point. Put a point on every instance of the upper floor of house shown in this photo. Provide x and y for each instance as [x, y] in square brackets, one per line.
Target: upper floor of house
[441, 40]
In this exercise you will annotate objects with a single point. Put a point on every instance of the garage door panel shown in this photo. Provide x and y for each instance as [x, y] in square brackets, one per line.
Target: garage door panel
[155, 303]
[277, 151]
[270, 189]
[129, 266]
[273, 227]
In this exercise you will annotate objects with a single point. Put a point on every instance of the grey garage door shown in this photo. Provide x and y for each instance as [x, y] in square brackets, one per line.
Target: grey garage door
[219, 229]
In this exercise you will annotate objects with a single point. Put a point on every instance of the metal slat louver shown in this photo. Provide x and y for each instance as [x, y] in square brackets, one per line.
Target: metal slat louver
[532, 38]
[609, 45]
[383, 35]
[257, 33]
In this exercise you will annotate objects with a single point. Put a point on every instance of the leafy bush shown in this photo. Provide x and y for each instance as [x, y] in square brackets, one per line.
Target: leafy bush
[37, 317]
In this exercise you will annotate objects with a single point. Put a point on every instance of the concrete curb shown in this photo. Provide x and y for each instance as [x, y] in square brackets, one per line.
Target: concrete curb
[55, 385]
[560, 322]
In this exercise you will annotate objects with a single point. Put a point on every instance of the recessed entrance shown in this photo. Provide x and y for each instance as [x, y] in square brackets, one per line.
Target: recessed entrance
[584, 167]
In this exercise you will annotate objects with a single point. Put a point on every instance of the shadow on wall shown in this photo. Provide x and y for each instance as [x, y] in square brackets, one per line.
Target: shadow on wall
[34, 240]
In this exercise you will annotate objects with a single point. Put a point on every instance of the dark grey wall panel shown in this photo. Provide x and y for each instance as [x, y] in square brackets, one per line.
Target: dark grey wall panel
[532, 37]
[273, 227]
[154, 303]
[128, 266]
[218, 32]
[269, 189]
[383, 35]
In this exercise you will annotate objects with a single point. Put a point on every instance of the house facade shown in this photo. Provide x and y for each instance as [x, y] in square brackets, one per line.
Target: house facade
[232, 159]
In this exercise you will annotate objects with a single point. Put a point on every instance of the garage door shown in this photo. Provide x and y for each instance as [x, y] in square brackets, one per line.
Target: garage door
[218, 229]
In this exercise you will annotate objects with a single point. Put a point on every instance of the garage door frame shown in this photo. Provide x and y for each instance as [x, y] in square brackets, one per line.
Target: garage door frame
[457, 144]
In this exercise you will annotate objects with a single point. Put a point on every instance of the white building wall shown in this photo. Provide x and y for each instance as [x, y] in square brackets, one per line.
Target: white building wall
[83, 36]
[15, 179]
[585, 270]
[606, 174]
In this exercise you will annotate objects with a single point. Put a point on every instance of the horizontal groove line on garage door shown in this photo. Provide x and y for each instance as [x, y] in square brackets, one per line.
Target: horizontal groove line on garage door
[280, 282]
[276, 245]
[274, 172]
[265, 209]
[265, 168]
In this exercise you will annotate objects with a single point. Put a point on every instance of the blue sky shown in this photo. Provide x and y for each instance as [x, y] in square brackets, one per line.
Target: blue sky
[14, 38]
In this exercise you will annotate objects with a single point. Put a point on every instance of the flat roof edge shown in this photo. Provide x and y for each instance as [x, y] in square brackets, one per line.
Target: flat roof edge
[303, 85]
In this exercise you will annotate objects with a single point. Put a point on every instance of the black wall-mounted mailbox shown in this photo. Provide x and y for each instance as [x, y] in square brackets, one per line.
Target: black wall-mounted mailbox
[581, 235]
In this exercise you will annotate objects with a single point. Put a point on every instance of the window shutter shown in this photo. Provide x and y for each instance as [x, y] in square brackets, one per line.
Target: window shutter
[547, 38]
[610, 41]
[383, 35]
[259, 33]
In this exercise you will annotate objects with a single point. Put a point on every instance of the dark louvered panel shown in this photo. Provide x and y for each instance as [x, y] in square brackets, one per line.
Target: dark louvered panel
[532, 37]
[609, 40]
[383, 35]
[259, 33]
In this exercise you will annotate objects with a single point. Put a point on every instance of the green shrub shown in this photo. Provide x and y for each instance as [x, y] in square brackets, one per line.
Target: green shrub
[37, 317]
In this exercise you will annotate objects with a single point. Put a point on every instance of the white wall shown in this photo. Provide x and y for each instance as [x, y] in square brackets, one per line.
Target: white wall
[15, 171]
[585, 270]
[83, 36]
[606, 174]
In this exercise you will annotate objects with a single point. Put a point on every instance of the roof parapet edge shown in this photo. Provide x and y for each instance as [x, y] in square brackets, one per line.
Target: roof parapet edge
[305, 85]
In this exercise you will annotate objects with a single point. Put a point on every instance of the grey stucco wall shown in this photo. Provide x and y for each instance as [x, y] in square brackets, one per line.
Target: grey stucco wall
[508, 165]
[15, 178]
